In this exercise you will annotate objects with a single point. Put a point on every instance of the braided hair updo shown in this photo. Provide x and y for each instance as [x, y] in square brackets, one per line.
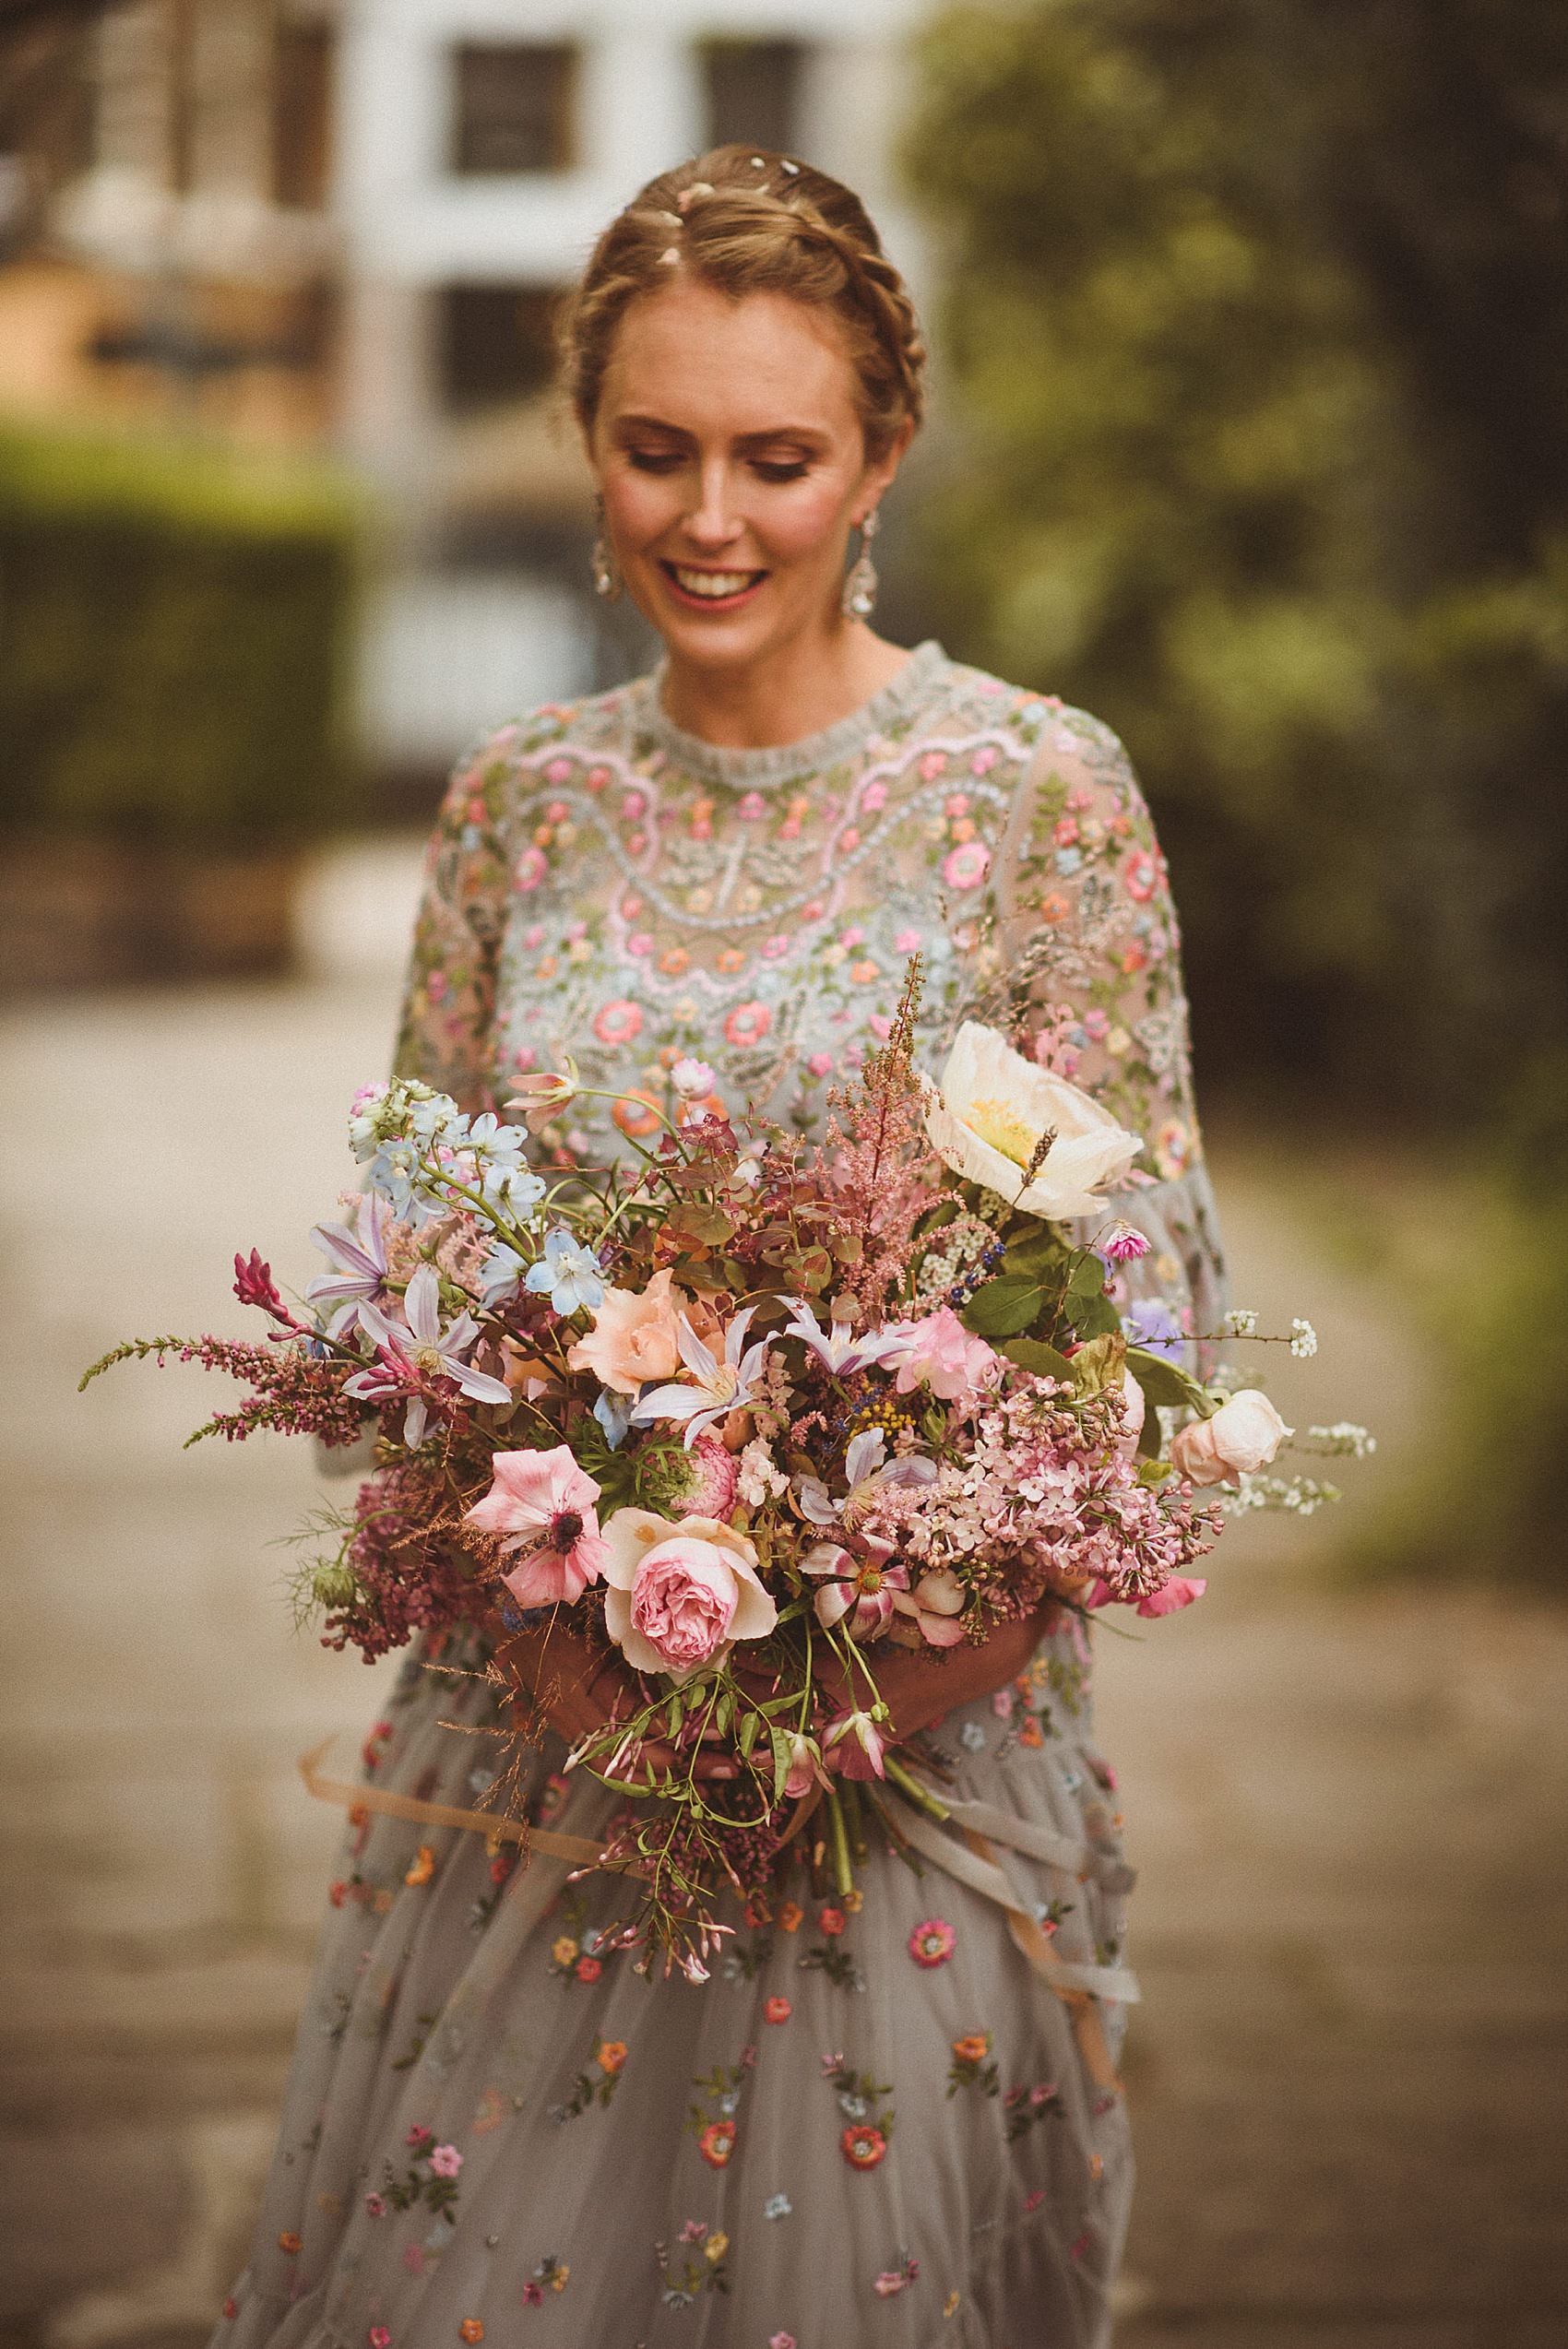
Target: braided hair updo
[751, 222]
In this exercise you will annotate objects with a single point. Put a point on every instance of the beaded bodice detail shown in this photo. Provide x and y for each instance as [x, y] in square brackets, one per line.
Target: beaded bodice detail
[603, 885]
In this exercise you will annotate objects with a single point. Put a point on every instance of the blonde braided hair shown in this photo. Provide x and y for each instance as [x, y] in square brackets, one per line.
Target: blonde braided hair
[747, 221]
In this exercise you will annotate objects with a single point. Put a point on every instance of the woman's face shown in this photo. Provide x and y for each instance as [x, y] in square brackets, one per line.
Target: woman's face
[731, 459]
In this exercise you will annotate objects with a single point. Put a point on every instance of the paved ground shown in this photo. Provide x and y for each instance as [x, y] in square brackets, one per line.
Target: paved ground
[1349, 1812]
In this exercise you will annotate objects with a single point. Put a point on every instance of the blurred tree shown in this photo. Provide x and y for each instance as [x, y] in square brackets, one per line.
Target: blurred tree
[1257, 337]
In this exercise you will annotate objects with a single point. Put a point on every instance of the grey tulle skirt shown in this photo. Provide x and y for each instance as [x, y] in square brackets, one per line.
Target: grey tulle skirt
[883, 2132]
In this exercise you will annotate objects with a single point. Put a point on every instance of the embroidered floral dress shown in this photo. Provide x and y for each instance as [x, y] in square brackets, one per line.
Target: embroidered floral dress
[882, 2128]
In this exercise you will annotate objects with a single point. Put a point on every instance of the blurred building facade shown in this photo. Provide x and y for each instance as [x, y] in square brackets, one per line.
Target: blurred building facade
[345, 223]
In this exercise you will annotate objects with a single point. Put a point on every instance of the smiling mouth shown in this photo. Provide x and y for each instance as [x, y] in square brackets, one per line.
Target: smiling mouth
[711, 587]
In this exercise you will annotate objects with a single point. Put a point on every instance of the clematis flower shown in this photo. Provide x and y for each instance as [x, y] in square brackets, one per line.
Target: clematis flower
[678, 1597]
[716, 1388]
[942, 1353]
[852, 1745]
[567, 1272]
[841, 1352]
[544, 1502]
[360, 1257]
[986, 1118]
[857, 1591]
[934, 1606]
[409, 1359]
[866, 1477]
[634, 1338]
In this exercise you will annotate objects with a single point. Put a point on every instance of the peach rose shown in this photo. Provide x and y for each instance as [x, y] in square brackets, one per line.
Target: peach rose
[1244, 1436]
[633, 1338]
[678, 1597]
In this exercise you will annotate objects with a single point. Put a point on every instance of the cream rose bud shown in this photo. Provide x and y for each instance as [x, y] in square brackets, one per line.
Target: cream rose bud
[1244, 1436]
[678, 1597]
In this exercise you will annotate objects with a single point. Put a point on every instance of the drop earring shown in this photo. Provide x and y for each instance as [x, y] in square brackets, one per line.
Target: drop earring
[858, 598]
[605, 572]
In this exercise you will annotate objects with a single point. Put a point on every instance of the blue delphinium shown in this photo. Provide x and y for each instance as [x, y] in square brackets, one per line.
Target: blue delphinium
[568, 1273]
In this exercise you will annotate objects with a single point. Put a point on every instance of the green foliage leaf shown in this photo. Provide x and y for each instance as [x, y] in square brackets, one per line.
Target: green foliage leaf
[1003, 1307]
[782, 1748]
[1032, 1353]
[1166, 1383]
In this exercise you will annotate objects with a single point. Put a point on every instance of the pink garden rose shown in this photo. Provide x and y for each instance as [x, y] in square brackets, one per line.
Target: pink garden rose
[1244, 1436]
[678, 1597]
[942, 1353]
[541, 1502]
[635, 1337]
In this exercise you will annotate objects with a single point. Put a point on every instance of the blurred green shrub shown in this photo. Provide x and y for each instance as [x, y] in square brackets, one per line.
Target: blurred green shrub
[174, 641]
[1256, 344]
[1256, 338]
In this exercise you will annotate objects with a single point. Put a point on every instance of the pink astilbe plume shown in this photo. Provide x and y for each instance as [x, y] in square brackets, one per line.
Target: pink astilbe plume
[882, 1167]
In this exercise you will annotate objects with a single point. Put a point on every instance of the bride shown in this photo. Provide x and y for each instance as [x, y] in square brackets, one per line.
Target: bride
[877, 2127]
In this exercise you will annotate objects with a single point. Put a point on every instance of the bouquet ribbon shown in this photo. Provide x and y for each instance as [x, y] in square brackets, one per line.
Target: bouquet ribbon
[971, 1862]
[381, 1799]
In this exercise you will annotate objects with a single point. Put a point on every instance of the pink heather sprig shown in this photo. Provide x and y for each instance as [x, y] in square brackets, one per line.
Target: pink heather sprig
[297, 1393]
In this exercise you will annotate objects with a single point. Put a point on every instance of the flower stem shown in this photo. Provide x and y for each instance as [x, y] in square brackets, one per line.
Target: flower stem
[843, 1874]
[912, 1790]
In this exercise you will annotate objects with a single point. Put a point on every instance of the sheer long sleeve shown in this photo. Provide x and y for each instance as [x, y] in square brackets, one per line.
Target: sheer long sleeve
[1091, 956]
[446, 1032]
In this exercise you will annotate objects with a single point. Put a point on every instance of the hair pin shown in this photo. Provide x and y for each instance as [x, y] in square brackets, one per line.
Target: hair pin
[669, 258]
[793, 169]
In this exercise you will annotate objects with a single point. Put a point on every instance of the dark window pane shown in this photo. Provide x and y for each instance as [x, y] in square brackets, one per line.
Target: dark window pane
[753, 92]
[516, 107]
[302, 115]
[495, 344]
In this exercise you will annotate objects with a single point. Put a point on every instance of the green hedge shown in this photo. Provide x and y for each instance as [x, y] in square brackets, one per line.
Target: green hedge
[174, 642]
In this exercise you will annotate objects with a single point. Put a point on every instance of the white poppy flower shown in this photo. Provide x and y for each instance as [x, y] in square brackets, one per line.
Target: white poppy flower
[986, 1118]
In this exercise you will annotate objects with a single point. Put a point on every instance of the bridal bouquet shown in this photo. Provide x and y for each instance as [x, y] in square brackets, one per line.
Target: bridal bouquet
[751, 1413]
